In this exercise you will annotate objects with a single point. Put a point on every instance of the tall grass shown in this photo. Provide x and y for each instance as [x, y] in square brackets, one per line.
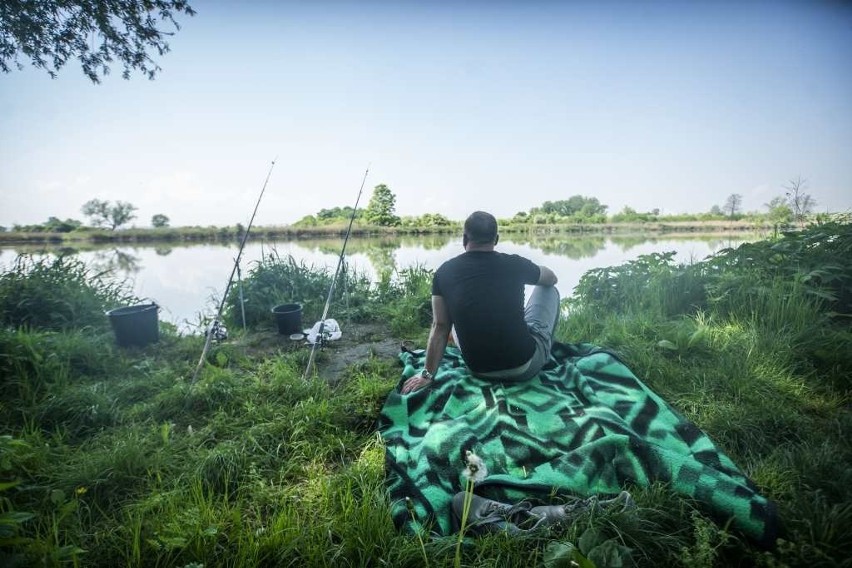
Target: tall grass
[756, 349]
[275, 280]
[57, 293]
[109, 458]
[402, 299]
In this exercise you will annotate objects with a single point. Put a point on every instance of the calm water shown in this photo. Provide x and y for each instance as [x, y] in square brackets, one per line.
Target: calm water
[186, 281]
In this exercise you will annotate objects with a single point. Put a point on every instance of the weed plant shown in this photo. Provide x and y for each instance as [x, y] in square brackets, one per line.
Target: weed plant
[275, 280]
[109, 457]
[57, 293]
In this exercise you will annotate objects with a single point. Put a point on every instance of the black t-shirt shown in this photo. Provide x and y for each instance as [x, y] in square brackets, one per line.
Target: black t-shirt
[484, 292]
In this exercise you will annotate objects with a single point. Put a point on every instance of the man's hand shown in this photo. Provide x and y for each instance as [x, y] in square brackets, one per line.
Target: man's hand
[547, 277]
[415, 383]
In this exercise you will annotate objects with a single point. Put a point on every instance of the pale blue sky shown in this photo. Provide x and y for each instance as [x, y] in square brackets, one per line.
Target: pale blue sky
[494, 105]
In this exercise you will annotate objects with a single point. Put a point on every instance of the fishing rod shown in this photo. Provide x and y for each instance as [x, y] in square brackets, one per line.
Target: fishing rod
[215, 320]
[319, 336]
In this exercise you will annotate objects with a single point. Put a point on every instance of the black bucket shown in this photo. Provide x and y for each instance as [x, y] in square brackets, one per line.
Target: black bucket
[135, 325]
[289, 318]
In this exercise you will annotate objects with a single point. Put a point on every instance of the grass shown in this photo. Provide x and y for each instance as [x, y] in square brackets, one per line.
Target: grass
[107, 457]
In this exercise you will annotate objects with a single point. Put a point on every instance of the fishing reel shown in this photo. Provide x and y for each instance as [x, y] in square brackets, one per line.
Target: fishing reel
[217, 331]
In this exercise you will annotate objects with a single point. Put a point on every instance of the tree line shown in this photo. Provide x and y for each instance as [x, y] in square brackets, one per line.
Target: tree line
[793, 207]
[101, 214]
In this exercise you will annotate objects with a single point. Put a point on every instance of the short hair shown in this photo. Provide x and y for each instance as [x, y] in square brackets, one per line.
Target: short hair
[481, 228]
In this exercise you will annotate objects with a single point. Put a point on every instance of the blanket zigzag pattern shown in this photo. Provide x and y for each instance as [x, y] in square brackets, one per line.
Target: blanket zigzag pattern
[585, 425]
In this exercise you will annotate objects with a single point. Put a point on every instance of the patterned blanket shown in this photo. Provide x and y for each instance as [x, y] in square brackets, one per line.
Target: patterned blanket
[585, 425]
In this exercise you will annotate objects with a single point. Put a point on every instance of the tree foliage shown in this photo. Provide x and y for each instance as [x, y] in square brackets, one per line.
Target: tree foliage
[574, 206]
[779, 211]
[337, 214]
[52, 225]
[103, 213]
[159, 221]
[97, 32]
[733, 204]
[382, 206]
[801, 203]
[630, 215]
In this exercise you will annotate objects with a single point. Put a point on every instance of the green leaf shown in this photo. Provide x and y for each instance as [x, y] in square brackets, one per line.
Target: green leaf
[8, 485]
[57, 496]
[559, 554]
[565, 555]
[610, 554]
[591, 538]
[15, 517]
[825, 295]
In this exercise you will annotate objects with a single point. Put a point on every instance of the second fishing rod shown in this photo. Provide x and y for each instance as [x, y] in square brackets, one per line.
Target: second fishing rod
[319, 338]
[216, 319]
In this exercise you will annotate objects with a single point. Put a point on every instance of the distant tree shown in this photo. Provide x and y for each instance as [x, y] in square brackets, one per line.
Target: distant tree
[630, 215]
[433, 220]
[801, 203]
[306, 221]
[576, 205]
[716, 210]
[56, 225]
[105, 214]
[381, 208]
[733, 204]
[159, 221]
[97, 32]
[779, 211]
[337, 214]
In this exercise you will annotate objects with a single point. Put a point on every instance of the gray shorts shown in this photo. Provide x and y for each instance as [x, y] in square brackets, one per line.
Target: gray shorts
[541, 315]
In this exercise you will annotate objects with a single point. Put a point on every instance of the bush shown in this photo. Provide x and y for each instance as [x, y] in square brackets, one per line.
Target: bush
[275, 280]
[57, 293]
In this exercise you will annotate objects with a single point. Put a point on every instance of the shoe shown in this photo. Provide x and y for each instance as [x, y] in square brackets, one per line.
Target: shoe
[624, 497]
[563, 514]
[488, 516]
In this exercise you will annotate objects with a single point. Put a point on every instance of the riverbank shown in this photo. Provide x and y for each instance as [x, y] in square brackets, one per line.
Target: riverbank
[112, 457]
[235, 233]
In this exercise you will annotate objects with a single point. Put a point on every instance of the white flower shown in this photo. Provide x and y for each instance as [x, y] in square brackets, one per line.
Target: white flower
[475, 470]
[189, 430]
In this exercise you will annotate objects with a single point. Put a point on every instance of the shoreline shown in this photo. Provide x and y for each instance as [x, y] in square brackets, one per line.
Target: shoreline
[229, 234]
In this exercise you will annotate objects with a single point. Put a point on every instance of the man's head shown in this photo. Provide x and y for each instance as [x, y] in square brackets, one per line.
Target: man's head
[480, 229]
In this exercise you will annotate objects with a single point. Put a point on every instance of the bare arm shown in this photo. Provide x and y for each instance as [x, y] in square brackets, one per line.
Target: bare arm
[547, 277]
[441, 325]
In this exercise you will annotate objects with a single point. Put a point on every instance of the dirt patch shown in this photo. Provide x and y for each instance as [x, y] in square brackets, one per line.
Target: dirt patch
[360, 341]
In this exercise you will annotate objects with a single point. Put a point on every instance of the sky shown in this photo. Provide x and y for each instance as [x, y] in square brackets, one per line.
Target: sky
[455, 106]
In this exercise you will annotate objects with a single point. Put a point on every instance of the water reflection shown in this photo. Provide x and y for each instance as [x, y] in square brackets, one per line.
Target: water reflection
[116, 261]
[186, 280]
[564, 245]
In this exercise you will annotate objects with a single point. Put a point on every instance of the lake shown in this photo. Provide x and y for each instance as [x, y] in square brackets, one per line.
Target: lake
[187, 280]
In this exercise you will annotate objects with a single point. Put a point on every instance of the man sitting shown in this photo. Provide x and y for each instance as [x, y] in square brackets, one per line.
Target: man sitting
[480, 296]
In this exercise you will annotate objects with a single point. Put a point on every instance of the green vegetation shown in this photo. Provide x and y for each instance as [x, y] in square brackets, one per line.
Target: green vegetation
[159, 221]
[381, 209]
[98, 34]
[275, 280]
[106, 214]
[108, 457]
[578, 214]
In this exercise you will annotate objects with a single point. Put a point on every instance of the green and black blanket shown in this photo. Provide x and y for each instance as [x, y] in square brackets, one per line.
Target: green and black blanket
[585, 425]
